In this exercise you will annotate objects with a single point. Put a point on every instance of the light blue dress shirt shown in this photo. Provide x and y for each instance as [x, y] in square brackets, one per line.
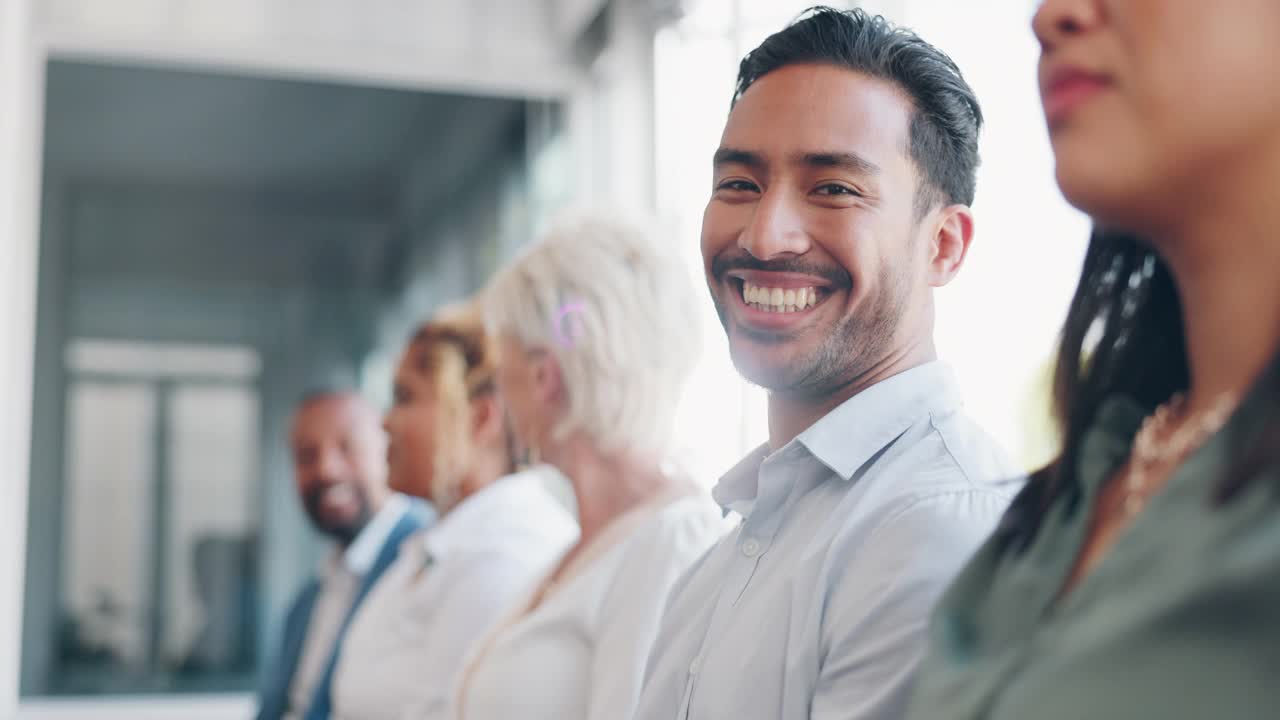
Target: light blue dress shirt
[816, 605]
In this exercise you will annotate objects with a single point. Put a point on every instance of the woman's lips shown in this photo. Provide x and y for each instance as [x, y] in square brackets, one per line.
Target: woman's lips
[1066, 89]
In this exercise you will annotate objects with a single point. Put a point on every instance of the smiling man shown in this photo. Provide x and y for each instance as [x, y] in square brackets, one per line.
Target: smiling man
[840, 199]
[340, 471]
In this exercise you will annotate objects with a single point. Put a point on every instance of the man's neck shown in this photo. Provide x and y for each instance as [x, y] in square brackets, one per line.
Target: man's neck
[792, 413]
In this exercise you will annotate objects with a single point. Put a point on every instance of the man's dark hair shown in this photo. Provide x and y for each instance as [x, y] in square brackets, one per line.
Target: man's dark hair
[946, 117]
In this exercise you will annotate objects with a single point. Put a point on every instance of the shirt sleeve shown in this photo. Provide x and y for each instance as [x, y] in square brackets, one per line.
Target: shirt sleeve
[632, 610]
[881, 597]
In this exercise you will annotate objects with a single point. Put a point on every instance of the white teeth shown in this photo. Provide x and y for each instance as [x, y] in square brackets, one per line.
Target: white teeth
[337, 495]
[778, 300]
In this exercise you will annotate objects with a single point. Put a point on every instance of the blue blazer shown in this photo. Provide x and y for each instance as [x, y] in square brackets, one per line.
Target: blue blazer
[274, 697]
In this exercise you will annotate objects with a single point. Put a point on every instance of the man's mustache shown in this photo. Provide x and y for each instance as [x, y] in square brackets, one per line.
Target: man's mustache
[838, 277]
[313, 495]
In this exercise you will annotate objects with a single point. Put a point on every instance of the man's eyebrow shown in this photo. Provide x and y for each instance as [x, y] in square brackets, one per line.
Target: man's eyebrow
[735, 156]
[851, 162]
[848, 161]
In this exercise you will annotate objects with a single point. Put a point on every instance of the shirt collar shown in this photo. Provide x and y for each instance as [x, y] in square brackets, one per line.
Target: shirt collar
[848, 436]
[361, 554]
[851, 434]
[737, 489]
[516, 497]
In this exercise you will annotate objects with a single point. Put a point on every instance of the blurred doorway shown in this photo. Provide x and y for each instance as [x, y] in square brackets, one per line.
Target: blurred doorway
[158, 564]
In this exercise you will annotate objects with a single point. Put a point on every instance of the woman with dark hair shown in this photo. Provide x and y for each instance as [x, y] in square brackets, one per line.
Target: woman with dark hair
[1138, 576]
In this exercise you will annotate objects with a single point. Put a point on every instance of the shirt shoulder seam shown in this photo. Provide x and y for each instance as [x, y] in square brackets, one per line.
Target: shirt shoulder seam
[964, 472]
[929, 498]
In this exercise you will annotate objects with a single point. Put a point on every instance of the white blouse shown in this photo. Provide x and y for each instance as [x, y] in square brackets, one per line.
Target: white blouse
[449, 584]
[576, 650]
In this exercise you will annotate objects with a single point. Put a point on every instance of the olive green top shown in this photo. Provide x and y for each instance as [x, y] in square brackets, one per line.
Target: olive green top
[1180, 620]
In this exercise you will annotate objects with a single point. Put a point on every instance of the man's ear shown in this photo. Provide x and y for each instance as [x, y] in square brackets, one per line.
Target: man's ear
[949, 243]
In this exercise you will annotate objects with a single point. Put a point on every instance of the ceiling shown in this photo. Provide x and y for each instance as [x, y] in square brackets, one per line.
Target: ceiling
[179, 128]
[178, 179]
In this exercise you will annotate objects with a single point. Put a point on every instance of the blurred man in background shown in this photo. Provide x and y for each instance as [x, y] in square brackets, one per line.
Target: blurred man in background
[341, 475]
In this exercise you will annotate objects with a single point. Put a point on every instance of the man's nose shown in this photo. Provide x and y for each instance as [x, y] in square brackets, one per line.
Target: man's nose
[330, 466]
[776, 228]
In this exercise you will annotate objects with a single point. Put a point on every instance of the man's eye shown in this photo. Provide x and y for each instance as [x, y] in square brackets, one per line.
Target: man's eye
[737, 186]
[836, 189]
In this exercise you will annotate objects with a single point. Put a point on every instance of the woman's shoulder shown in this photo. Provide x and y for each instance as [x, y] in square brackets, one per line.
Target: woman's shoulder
[697, 510]
[660, 550]
[687, 525]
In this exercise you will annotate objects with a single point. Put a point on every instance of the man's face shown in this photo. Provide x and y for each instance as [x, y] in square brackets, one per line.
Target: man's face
[339, 464]
[810, 242]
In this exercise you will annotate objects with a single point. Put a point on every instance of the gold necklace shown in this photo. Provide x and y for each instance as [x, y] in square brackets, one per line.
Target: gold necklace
[1149, 451]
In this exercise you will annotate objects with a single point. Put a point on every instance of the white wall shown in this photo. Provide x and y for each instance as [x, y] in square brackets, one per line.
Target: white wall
[610, 116]
[480, 46]
[19, 173]
[998, 322]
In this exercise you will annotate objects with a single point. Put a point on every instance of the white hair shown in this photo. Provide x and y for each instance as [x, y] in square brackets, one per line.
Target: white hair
[617, 310]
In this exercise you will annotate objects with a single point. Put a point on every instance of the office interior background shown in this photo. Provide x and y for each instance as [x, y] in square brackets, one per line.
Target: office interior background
[208, 207]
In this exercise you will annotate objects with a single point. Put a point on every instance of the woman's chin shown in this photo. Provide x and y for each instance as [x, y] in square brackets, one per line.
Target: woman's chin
[400, 485]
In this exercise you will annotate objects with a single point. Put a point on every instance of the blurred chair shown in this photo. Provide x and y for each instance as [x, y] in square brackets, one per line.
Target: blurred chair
[226, 581]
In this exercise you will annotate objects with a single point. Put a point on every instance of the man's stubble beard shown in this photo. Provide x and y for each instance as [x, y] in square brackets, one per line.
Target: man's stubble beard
[859, 342]
[343, 533]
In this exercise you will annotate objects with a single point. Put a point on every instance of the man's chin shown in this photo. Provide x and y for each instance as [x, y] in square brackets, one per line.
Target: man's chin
[342, 527]
[770, 371]
[342, 533]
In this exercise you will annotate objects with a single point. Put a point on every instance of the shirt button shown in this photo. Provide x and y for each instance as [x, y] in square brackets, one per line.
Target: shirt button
[695, 665]
[751, 547]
